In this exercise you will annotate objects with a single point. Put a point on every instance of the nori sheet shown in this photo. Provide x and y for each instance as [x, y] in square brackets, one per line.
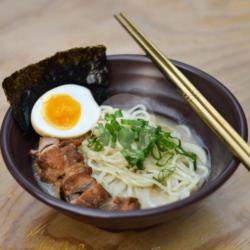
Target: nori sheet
[83, 66]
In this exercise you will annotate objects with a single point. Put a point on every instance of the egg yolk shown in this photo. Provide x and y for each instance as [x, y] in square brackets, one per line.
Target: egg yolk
[62, 111]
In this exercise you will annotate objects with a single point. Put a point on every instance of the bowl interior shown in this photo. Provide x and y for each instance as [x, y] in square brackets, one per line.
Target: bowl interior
[136, 75]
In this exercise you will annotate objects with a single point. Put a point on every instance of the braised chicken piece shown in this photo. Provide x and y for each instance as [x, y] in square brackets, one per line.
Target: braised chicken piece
[71, 154]
[76, 141]
[53, 160]
[82, 189]
[43, 143]
[50, 163]
[125, 204]
[76, 168]
[77, 183]
[93, 197]
[60, 163]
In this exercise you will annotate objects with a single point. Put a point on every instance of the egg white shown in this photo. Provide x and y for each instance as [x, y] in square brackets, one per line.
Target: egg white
[90, 112]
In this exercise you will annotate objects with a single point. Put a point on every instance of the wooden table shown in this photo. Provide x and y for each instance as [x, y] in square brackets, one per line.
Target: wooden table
[212, 35]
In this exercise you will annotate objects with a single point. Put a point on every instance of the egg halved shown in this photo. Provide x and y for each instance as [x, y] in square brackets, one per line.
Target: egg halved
[64, 112]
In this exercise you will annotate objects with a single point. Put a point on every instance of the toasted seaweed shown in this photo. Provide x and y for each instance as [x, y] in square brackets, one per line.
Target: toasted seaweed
[83, 66]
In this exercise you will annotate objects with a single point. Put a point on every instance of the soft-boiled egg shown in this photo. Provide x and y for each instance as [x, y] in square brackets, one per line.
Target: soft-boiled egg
[64, 112]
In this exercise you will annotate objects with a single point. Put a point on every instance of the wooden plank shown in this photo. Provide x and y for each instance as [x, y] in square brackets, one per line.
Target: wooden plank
[213, 35]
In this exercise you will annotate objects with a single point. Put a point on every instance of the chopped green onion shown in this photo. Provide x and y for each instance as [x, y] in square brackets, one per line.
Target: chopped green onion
[164, 159]
[156, 153]
[139, 140]
[138, 122]
[95, 145]
[104, 138]
[134, 158]
[118, 113]
[125, 137]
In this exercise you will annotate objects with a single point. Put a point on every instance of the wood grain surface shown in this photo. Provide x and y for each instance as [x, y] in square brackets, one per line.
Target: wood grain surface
[213, 35]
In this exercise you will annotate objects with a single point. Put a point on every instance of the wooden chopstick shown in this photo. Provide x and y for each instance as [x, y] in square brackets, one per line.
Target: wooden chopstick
[187, 83]
[199, 103]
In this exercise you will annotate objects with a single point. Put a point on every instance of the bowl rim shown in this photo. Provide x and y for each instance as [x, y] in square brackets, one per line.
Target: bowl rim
[97, 213]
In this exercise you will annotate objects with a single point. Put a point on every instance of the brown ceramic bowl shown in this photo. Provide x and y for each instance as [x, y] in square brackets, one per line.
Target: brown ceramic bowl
[135, 74]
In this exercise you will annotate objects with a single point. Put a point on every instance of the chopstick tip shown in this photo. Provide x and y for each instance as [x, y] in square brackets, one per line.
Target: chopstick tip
[119, 15]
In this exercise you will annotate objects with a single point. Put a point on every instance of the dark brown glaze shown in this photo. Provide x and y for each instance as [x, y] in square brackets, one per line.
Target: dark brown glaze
[71, 154]
[137, 75]
[93, 197]
[77, 183]
[76, 168]
[125, 203]
[50, 163]
[60, 163]
[52, 160]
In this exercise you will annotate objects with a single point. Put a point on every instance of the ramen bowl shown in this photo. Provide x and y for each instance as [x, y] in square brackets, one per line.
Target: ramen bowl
[136, 75]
